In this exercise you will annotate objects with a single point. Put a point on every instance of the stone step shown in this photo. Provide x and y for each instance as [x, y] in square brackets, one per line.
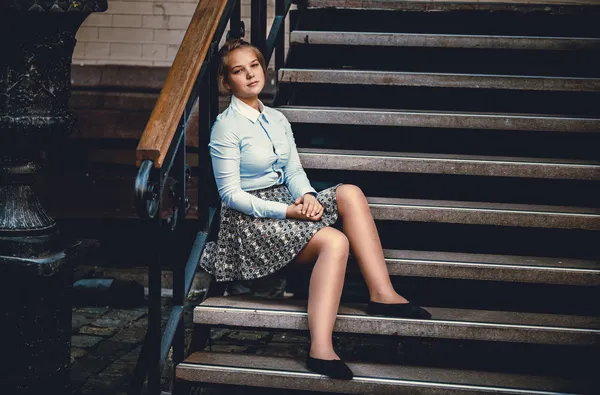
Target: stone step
[398, 162]
[304, 37]
[438, 119]
[438, 80]
[523, 269]
[447, 323]
[384, 379]
[446, 5]
[499, 214]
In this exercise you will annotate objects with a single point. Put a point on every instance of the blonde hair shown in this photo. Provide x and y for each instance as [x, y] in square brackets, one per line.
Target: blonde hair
[226, 49]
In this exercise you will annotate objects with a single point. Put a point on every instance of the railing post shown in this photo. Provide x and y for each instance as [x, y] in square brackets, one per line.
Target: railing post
[258, 25]
[280, 11]
[236, 26]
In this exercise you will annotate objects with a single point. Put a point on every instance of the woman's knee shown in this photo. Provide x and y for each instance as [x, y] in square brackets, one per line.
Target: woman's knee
[332, 239]
[348, 193]
[326, 239]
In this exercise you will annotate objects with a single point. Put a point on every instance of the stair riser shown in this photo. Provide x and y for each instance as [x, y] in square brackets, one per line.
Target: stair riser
[411, 328]
[471, 142]
[456, 60]
[464, 18]
[479, 102]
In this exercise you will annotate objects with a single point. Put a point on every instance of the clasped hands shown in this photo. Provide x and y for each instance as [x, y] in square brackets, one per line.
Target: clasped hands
[306, 208]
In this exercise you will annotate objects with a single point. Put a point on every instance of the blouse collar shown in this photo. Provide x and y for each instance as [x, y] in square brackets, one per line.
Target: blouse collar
[247, 110]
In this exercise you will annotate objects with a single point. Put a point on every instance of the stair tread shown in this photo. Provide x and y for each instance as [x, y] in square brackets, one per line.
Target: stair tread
[303, 37]
[406, 162]
[426, 156]
[494, 260]
[508, 207]
[442, 119]
[481, 267]
[432, 112]
[398, 78]
[447, 315]
[433, 4]
[506, 326]
[269, 367]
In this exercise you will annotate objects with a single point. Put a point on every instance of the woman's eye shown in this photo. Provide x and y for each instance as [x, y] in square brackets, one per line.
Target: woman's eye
[255, 64]
[236, 72]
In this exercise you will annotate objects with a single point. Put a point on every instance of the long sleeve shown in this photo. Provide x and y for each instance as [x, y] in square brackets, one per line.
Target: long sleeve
[225, 154]
[295, 177]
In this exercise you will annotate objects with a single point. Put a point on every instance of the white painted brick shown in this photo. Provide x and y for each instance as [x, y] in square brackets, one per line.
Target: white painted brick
[126, 35]
[84, 62]
[97, 50]
[127, 21]
[154, 51]
[246, 10]
[119, 50]
[130, 7]
[79, 50]
[182, 9]
[172, 51]
[179, 22]
[87, 34]
[145, 32]
[155, 21]
[98, 19]
[168, 36]
[132, 62]
[162, 63]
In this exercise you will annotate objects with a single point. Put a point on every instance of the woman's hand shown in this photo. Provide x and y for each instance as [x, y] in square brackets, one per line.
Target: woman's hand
[311, 208]
[294, 211]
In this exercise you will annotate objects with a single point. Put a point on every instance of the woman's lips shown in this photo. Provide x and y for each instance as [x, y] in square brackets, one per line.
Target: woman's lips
[253, 84]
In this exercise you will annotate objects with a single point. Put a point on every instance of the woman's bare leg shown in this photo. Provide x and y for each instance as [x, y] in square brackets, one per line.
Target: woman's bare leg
[329, 247]
[359, 227]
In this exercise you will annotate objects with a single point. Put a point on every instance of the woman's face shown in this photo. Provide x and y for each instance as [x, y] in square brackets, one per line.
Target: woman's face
[246, 76]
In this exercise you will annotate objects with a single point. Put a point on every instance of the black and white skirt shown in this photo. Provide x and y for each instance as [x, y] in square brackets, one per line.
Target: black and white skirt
[249, 248]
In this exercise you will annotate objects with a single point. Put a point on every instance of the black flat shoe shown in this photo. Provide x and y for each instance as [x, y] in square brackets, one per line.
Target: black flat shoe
[400, 310]
[334, 368]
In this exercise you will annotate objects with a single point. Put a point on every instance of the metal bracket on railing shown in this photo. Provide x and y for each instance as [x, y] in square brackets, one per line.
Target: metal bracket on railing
[146, 192]
[180, 203]
[241, 34]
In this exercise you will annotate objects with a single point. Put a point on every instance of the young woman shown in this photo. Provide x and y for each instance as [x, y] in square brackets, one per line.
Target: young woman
[271, 215]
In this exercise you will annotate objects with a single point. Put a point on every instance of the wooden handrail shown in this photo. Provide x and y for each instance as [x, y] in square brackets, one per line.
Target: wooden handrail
[179, 83]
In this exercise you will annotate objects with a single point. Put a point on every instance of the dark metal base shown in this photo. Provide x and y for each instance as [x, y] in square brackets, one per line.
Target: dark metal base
[36, 321]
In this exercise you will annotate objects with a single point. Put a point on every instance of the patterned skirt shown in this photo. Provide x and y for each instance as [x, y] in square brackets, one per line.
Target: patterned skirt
[248, 250]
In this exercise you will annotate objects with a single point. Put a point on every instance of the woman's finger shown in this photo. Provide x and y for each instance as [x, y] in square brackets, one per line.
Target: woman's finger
[310, 203]
[318, 208]
[318, 216]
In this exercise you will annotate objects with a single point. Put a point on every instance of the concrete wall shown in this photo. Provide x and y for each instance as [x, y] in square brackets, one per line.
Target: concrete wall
[144, 33]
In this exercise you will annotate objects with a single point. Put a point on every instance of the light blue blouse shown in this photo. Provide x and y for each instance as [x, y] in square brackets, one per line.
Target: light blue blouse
[253, 150]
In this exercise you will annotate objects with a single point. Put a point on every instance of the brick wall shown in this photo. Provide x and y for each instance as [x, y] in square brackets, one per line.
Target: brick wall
[145, 33]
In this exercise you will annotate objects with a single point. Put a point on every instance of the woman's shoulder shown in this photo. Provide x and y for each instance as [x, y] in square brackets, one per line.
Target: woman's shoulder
[225, 127]
[278, 115]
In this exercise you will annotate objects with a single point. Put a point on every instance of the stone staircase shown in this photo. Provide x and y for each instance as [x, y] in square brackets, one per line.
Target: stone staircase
[472, 128]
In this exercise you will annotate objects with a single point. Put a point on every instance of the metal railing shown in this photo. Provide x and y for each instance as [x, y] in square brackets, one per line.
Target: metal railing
[170, 175]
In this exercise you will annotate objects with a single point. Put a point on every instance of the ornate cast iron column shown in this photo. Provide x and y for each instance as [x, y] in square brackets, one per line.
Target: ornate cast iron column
[37, 38]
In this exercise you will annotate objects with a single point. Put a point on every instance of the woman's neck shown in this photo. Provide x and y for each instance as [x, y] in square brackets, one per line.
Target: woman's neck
[252, 102]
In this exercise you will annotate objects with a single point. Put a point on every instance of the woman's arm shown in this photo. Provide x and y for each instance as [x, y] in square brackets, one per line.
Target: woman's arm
[295, 177]
[225, 153]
